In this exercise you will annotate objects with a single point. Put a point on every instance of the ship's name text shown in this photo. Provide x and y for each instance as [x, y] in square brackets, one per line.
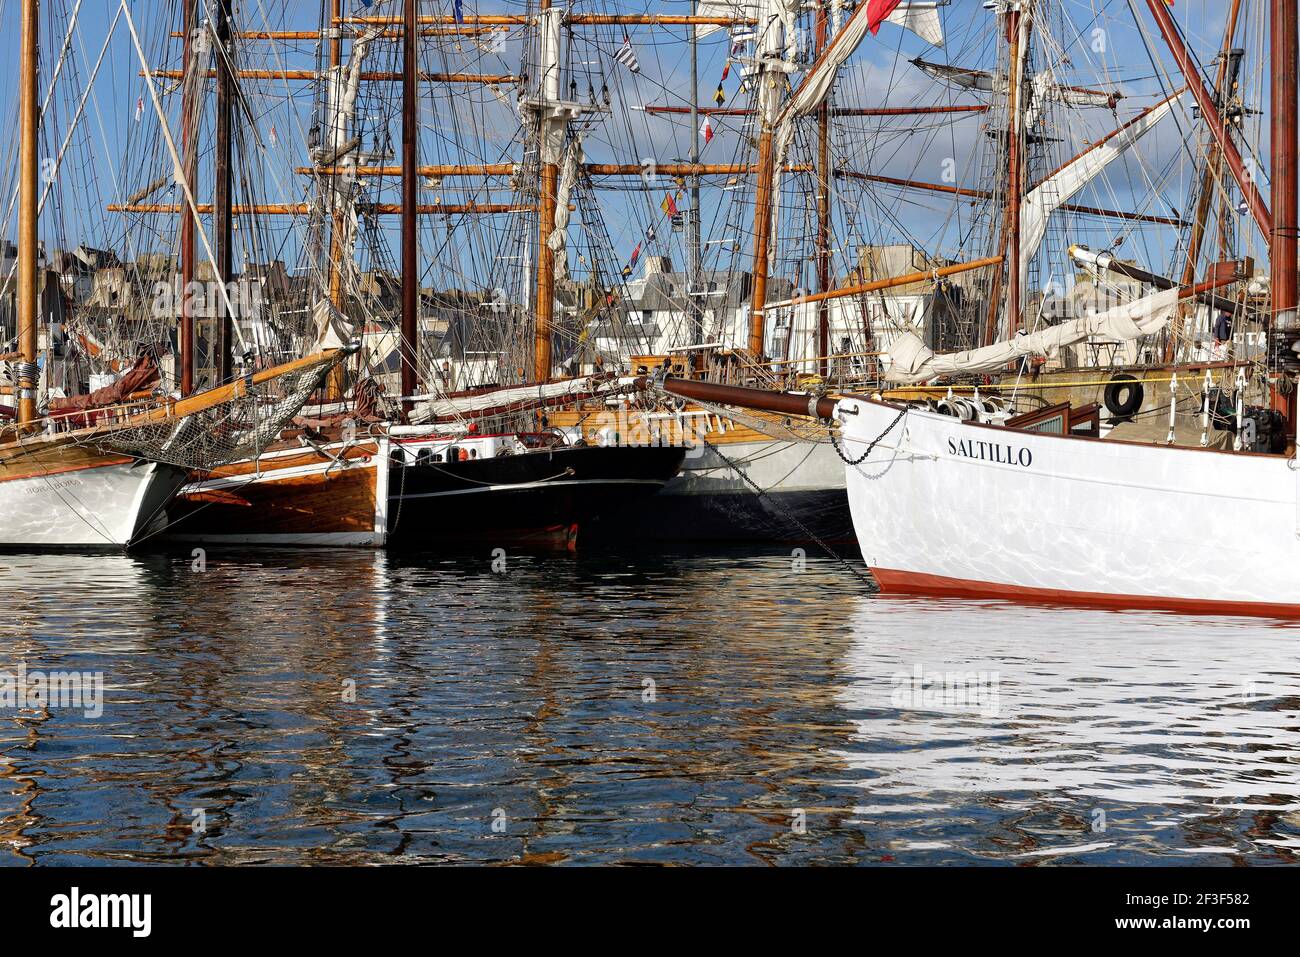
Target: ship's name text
[991, 452]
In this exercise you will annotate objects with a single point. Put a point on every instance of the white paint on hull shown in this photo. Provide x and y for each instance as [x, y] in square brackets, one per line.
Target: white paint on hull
[107, 506]
[773, 465]
[1083, 517]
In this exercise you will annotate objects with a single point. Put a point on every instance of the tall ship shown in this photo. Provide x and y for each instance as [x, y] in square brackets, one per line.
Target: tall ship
[987, 472]
[97, 468]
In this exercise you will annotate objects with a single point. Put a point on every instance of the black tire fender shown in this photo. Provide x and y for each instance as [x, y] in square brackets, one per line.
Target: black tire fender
[1124, 395]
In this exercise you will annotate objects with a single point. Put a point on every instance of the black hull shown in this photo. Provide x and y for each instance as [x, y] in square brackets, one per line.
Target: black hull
[536, 498]
[793, 518]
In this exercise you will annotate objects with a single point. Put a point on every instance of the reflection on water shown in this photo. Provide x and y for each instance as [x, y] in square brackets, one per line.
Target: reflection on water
[298, 707]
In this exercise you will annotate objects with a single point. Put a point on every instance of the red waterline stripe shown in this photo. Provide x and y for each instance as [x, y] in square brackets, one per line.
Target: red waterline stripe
[918, 583]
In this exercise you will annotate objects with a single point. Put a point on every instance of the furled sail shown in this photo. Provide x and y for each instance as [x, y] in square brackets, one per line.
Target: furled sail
[920, 18]
[1061, 186]
[495, 401]
[980, 80]
[558, 239]
[911, 361]
[738, 9]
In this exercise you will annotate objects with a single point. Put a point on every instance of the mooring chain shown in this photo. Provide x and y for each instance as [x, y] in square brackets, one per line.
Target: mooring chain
[812, 536]
[870, 448]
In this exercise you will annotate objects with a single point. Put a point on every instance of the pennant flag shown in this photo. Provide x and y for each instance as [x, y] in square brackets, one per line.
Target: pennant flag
[706, 130]
[720, 96]
[636, 254]
[139, 108]
[627, 56]
[726, 70]
[669, 205]
[275, 140]
[458, 11]
[877, 11]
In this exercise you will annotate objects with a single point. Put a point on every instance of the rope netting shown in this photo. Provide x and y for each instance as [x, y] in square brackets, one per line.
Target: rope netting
[238, 428]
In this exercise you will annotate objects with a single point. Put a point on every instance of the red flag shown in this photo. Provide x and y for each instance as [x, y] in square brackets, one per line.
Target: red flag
[706, 130]
[669, 205]
[877, 10]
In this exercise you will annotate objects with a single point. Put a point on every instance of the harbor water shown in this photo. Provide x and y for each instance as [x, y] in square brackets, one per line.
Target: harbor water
[740, 707]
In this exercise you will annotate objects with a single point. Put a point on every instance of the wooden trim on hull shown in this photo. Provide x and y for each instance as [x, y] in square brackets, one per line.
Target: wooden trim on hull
[894, 581]
[293, 497]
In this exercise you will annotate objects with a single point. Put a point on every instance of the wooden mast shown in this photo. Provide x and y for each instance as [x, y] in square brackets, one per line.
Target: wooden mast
[549, 94]
[1210, 111]
[824, 180]
[29, 120]
[1018, 26]
[336, 383]
[223, 187]
[410, 346]
[694, 277]
[768, 48]
[1229, 64]
[1283, 264]
[1009, 233]
[190, 153]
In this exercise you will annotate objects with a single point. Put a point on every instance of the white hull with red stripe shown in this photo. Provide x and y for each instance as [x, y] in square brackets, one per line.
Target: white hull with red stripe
[943, 506]
[110, 505]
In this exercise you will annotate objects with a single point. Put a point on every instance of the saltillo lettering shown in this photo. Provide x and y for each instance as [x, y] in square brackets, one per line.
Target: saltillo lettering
[991, 452]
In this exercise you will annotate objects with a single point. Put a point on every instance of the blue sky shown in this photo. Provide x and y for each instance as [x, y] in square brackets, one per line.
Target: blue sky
[111, 157]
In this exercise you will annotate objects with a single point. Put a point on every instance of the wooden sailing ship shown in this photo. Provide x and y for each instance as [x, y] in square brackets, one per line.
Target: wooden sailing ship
[100, 471]
[323, 484]
[958, 500]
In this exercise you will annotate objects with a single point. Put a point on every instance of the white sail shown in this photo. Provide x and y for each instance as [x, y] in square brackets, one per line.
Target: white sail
[912, 361]
[1060, 187]
[921, 18]
[435, 407]
[558, 240]
[980, 80]
[736, 9]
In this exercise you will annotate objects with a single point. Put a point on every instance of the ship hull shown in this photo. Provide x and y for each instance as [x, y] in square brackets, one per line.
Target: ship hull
[951, 508]
[75, 498]
[537, 498]
[330, 496]
[803, 498]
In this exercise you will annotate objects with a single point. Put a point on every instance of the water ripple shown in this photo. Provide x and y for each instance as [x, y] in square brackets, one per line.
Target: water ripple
[320, 707]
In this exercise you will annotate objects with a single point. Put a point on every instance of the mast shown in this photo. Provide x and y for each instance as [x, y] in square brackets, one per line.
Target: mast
[768, 65]
[410, 347]
[336, 384]
[1009, 234]
[29, 120]
[549, 137]
[824, 180]
[1283, 265]
[1209, 110]
[1229, 66]
[1018, 25]
[694, 273]
[189, 135]
[1283, 135]
[222, 199]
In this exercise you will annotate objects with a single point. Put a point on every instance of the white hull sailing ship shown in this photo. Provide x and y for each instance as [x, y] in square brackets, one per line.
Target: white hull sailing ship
[975, 509]
[64, 498]
[99, 470]
[1197, 511]
[967, 509]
